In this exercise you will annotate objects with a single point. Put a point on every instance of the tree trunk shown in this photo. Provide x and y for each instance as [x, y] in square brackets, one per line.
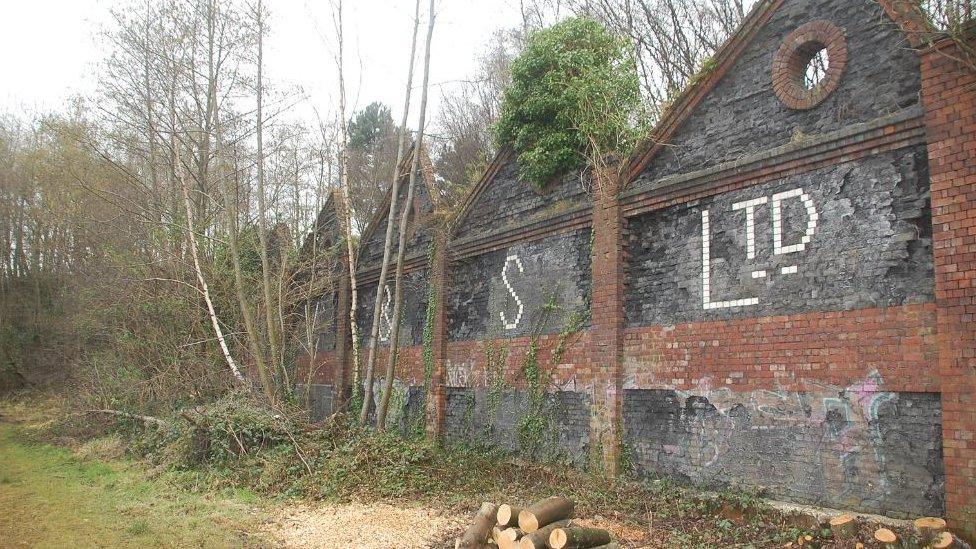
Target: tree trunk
[269, 305]
[390, 219]
[251, 334]
[346, 209]
[203, 282]
[404, 219]
[544, 512]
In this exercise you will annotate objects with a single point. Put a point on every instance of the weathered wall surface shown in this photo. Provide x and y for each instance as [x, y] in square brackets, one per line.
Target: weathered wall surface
[509, 202]
[949, 94]
[554, 427]
[742, 115]
[317, 398]
[776, 297]
[508, 292]
[413, 310]
[855, 447]
[845, 236]
[779, 291]
[520, 277]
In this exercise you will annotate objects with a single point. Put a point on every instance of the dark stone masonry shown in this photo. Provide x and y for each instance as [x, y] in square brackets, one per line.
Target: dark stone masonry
[850, 236]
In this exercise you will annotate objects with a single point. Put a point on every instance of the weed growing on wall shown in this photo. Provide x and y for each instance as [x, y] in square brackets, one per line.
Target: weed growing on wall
[495, 374]
[537, 428]
[428, 334]
[574, 97]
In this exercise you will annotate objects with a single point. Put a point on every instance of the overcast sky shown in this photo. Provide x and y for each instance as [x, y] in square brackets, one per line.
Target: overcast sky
[51, 48]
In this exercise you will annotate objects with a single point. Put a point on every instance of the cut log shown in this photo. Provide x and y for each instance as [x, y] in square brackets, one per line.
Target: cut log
[945, 540]
[545, 512]
[540, 538]
[884, 535]
[930, 526]
[495, 533]
[508, 538]
[843, 526]
[578, 537]
[507, 515]
[477, 534]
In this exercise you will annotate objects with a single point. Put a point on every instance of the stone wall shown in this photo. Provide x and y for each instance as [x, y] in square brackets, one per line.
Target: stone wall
[533, 287]
[845, 236]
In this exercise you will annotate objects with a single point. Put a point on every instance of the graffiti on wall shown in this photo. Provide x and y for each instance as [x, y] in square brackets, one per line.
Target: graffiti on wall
[858, 446]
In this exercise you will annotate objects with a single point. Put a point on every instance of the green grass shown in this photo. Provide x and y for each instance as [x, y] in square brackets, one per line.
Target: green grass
[49, 497]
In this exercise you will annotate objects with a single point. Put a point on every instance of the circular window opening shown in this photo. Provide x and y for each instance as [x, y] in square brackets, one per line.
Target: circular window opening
[816, 66]
[808, 65]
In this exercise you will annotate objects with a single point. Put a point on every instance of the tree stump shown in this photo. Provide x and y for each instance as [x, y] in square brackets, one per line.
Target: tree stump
[929, 527]
[885, 536]
[843, 526]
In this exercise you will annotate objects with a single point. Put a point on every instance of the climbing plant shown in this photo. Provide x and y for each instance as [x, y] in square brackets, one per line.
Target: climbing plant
[574, 98]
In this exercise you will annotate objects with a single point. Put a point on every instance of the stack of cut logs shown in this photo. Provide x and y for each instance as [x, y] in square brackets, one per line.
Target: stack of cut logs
[930, 531]
[544, 524]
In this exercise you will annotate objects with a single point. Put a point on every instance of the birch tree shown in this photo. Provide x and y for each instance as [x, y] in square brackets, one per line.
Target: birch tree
[346, 210]
[404, 220]
[390, 219]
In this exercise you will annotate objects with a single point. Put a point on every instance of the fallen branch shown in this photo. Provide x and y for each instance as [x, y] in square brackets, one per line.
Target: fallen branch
[298, 452]
[127, 415]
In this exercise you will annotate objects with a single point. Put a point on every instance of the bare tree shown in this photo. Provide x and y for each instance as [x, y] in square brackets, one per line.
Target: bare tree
[346, 210]
[418, 151]
[390, 219]
[463, 144]
[672, 39]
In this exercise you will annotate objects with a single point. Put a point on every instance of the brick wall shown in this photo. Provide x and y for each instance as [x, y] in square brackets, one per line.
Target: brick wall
[949, 95]
[779, 298]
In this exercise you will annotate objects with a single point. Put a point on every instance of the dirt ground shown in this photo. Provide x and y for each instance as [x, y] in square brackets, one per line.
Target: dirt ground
[366, 526]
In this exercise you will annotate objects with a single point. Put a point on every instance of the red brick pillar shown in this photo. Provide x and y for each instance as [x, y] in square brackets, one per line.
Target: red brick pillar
[607, 321]
[949, 97]
[436, 407]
